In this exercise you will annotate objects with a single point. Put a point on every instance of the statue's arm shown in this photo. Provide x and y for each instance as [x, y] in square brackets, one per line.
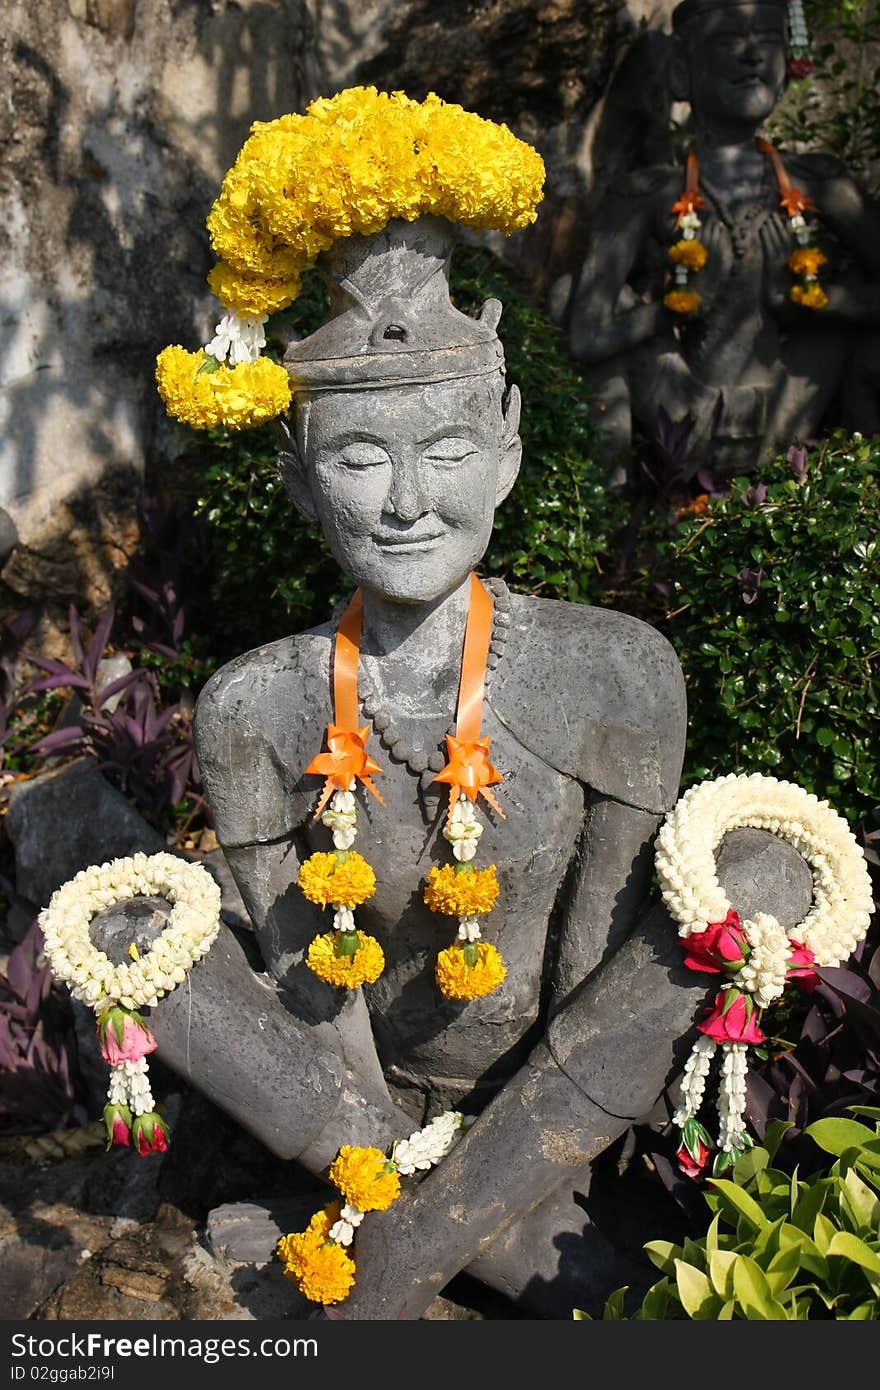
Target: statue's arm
[605, 320]
[854, 219]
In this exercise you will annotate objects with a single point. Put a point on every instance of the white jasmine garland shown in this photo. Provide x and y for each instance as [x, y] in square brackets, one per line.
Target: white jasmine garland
[342, 1231]
[693, 1082]
[469, 929]
[237, 337]
[426, 1147]
[463, 830]
[341, 818]
[732, 1097]
[764, 972]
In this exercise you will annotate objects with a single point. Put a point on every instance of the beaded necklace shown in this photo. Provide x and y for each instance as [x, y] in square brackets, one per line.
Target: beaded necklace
[688, 255]
[343, 880]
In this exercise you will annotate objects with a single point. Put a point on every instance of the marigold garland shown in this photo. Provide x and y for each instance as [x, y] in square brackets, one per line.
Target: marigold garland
[341, 877]
[248, 394]
[809, 296]
[346, 167]
[363, 967]
[758, 957]
[365, 1178]
[459, 890]
[317, 1260]
[462, 978]
[682, 301]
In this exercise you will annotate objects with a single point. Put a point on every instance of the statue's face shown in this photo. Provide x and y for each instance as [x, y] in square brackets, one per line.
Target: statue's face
[405, 481]
[736, 62]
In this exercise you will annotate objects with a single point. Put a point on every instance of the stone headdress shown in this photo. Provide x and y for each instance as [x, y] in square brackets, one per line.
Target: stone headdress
[369, 184]
[693, 9]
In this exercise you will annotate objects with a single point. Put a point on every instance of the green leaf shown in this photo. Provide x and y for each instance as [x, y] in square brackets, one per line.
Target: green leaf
[860, 1201]
[695, 1291]
[753, 1292]
[721, 1264]
[656, 1302]
[851, 1248]
[823, 1233]
[663, 1254]
[613, 1311]
[579, 1316]
[739, 1202]
[773, 1137]
[837, 1135]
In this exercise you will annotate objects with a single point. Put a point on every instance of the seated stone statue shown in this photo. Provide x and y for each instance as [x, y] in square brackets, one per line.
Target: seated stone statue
[753, 369]
[401, 442]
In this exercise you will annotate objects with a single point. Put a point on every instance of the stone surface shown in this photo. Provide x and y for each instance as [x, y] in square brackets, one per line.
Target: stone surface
[64, 821]
[752, 371]
[121, 121]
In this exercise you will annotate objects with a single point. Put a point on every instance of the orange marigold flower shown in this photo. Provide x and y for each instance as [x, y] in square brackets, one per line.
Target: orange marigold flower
[362, 1176]
[458, 980]
[322, 1271]
[806, 260]
[691, 254]
[347, 972]
[809, 296]
[461, 894]
[343, 879]
[682, 301]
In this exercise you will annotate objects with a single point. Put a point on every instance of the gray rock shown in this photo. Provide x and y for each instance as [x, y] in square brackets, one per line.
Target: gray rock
[64, 821]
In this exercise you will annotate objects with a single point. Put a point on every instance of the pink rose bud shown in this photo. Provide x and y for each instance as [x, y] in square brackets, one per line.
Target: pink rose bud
[732, 1018]
[800, 969]
[124, 1037]
[117, 1122]
[722, 946]
[149, 1134]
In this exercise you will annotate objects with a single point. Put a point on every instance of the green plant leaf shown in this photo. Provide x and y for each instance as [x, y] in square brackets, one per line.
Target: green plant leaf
[613, 1311]
[753, 1292]
[837, 1135]
[851, 1248]
[860, 1202]
[663, 1254]
[721, 1264]
[739, 1202]
[695, 1291]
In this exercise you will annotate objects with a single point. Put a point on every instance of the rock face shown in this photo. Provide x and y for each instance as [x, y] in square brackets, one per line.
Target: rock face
[119, 122]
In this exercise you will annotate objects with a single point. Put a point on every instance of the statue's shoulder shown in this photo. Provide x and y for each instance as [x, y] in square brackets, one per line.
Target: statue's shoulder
[258, 721]
[597, 694]
[816, 167]
[654, 180]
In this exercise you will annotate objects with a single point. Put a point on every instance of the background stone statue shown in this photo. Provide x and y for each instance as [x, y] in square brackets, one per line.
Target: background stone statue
[752, 370]
[401, 443]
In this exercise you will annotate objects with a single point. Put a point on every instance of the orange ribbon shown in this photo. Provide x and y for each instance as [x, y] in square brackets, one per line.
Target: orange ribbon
[792, 199]
[469, 772]
[691, 198]
[347, 759]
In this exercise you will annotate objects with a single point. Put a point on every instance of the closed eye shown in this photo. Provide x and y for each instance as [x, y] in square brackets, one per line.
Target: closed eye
[450, 452]
[361, 454]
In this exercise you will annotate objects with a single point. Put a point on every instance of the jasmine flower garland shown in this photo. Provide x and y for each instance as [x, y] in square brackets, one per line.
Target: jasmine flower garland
[116, 992]
[758, 956]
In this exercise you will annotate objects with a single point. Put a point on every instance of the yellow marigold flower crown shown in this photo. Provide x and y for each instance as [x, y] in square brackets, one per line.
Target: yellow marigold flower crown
[346, 167]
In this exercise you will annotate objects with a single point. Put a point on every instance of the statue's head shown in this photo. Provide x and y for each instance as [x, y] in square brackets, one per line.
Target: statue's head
[730, 58]
[402, 439]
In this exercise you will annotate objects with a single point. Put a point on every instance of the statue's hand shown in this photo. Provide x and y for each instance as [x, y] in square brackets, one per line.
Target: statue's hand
[387, 1284]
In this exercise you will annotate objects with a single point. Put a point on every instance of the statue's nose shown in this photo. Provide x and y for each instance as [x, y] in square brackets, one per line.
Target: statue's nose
[406, 496]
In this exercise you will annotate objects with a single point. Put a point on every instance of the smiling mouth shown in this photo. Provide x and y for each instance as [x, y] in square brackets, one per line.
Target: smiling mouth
[405, 545]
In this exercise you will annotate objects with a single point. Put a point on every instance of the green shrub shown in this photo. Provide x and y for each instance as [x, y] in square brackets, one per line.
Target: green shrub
[272, 571]
[779, 1248]
[785, 683]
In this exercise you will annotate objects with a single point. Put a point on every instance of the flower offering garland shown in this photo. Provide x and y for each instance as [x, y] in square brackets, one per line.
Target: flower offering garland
[758, 957]
[347, 167]
[800, 54]
[688, 255]
[116, 992]
[317, 1260]
[341, 879]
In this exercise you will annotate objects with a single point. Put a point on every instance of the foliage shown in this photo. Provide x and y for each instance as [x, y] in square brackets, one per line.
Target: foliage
[838, 108]
[273, 573]
[774, 599]
[36, 1089]
[780, 1247]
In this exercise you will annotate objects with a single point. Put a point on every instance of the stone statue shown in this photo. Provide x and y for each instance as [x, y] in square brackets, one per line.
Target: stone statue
[401, 442]
[753, 370]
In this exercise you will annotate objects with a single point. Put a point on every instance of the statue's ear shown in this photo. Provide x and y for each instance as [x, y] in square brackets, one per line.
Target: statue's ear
[511, 445]
[677, 70]
[292, 470]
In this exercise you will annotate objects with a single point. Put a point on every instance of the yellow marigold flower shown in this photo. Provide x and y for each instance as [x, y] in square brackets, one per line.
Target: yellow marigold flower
[324, 879]
[806, 260]
[322, 1271]
[458, 980]
[810, 296]
[360, 1176]
[251, 295]
[682, 301]
[461, 894]
[237, 397]
[691, 254]
[348, 972]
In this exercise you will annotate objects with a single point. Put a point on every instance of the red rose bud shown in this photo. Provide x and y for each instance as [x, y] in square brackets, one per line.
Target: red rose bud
[149, 1134]
[800, 969]
[722, 946]
[691, 1166]
[798, 68]
[732, 1018]
[117, 1122]
[124, 1037]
